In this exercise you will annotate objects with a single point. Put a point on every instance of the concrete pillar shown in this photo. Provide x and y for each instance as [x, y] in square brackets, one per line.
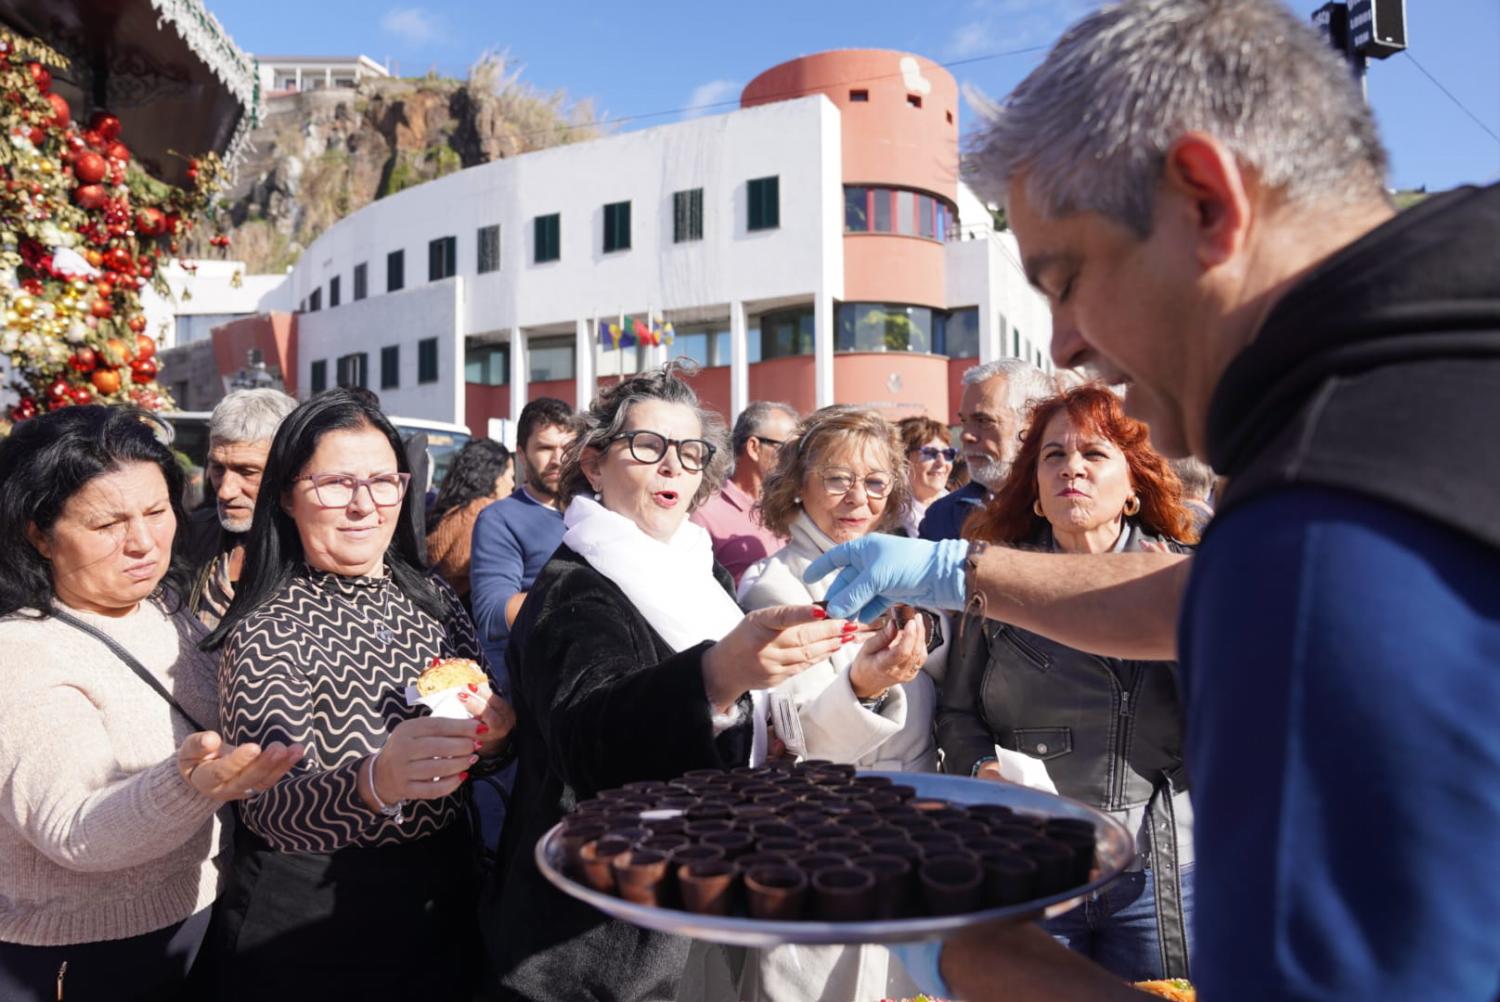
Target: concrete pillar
[739, 361]
[518, 373]
[299, 79]
[991, 326]
[328, 77]
[823, 349]
[583, 364]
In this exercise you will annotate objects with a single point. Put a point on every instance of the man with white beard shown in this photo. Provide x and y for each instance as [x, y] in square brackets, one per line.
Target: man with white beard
[992, 411]
[240, 430]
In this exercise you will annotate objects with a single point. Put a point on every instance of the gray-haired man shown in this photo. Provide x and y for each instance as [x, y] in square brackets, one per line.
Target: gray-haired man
[992, 411]
[240, 430]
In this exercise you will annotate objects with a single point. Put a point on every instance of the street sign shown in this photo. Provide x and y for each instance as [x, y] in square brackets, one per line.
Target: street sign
[1332, 19]
[1377, 28]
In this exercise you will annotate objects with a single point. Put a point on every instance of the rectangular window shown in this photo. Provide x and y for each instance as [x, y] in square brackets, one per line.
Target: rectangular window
[488, 253]
[858, 96]
[353, 369]
[856, 210]
[442, 258]
[687, 215]
[361, 281]
[906, 216]
[333, 292]
[786, 332]
[315, 301]
[915, 100]
[882, 206]
[320, 375]
[547, 238]
[616, 226]
[395, 271]
[427, 360]
[925, 208]
[550, 358]
[488, 365]
[390, 367]
[765, 203]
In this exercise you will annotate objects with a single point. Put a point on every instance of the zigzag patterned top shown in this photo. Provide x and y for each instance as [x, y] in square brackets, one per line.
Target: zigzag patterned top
[326, 663]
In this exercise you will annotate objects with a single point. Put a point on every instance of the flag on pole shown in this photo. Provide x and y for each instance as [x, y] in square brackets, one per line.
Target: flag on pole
[618, 334]
[642, 331]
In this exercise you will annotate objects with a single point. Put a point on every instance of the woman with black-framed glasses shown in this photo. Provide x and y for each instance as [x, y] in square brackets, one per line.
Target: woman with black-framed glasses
[359, 859]
[929, 460]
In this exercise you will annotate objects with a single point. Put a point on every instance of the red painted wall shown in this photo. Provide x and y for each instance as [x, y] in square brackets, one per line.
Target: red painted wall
[275, 334]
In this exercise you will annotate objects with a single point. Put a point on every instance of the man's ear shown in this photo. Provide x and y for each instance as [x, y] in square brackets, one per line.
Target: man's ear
[1215, 187]
[38, 539]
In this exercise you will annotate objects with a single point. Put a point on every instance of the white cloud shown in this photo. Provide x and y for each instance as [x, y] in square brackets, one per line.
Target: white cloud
[413, 24]
[1001, 25]
[704, 96]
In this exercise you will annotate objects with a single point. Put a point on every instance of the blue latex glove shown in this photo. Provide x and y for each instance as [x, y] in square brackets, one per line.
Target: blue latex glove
[921, 963]
[880, 570]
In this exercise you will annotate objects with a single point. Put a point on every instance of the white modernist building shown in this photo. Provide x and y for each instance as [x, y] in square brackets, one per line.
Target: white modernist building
[291, 74]
[459, 299]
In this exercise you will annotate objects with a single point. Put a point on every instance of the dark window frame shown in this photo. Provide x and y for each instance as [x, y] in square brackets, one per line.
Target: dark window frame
[616, 227]
[427, 360]
[546, 237]
[390, 367]
[353, 369]
[334, 291]
[361, 280]
[318, 375]
[687, 215]
[487, 248]
[442, 258]
[764, 208]
[395, 270]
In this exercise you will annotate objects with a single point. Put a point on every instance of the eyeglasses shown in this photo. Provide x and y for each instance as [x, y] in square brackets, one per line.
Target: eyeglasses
[841, 482]
[337, 490]
[931, 452]
[774, 443]
[650, 446]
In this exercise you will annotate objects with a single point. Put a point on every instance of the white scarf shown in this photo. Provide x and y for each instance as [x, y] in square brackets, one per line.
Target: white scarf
[670, 584]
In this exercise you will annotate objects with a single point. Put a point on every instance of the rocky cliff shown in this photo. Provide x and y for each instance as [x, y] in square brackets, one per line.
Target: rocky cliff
[320, 155]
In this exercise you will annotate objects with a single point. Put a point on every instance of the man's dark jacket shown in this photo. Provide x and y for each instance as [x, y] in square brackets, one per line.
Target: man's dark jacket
[1379, 373]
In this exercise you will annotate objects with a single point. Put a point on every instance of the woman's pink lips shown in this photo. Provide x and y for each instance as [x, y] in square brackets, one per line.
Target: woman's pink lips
[1071, 493]
[141, 570]
[667, 499]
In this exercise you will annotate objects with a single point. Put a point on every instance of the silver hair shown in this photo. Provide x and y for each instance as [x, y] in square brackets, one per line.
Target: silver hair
[1197, 477]
[601, 421]
[249, 416]
[753, 418]
[1024, 382]
[1089, 129]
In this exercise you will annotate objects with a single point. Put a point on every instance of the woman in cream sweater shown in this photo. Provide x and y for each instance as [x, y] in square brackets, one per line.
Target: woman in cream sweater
[109, 818]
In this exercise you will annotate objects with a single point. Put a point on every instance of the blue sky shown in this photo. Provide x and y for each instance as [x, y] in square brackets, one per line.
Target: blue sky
[662, 56]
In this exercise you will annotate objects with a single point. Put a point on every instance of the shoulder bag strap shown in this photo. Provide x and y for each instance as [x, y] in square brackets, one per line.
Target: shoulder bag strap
[130, 662]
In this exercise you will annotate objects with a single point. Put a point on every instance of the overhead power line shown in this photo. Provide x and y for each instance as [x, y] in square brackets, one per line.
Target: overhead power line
[1461, 107]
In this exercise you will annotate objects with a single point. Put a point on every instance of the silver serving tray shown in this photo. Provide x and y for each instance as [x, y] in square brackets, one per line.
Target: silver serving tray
[1114, 849]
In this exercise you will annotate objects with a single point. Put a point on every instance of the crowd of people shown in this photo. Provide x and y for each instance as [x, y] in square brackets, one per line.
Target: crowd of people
[217, 788]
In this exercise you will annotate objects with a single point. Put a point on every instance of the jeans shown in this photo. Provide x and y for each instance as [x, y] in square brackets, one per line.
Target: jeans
[1116, 927]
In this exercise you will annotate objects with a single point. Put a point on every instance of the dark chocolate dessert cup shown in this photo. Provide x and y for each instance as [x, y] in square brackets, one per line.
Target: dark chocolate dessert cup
[844, 894]
[594, 860]
[952, 885]
[707, 887]
[640, 876]
[775, 893]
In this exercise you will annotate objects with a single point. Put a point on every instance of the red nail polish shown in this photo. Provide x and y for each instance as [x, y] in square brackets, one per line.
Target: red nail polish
[463, 695]
[819, 612]
[482, 729]
[849, 628]
[478, 745]
[473, 687]
[463, 776]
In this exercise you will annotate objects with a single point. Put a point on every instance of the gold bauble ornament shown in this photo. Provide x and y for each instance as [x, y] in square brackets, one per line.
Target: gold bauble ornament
[24, 305]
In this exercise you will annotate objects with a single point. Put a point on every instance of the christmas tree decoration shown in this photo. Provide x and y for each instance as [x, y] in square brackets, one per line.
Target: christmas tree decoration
[83, 228]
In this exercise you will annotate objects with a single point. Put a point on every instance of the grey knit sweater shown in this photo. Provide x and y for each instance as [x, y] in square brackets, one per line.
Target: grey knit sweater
[100, 837]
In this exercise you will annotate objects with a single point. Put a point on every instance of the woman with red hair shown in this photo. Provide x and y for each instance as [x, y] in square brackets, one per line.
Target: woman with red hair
[1108, 732]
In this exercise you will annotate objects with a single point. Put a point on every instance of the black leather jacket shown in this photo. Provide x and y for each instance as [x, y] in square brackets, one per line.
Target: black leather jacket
[1109, 731]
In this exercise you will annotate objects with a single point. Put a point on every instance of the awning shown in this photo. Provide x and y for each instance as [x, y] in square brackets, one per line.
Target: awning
[167, 68]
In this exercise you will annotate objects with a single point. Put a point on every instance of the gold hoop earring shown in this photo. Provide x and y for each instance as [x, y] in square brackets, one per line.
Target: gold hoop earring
[1132, 504]
[1036, 506]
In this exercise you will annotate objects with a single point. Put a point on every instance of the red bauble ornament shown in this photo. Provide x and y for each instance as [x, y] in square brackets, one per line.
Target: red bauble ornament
[58, 391]
[26, 408]
[146, 268]
[82, 394]
[117, 259]
[142, 370]
[145, 345]
[118, 151]
[61, 113]
[84, 360]
[90, 196]
[137, 324]
[93, 139]
[106, 381]
[107, 125]
[89, 167]
[41, 76]
[150, 222]
[102, 309]
[38, 135]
